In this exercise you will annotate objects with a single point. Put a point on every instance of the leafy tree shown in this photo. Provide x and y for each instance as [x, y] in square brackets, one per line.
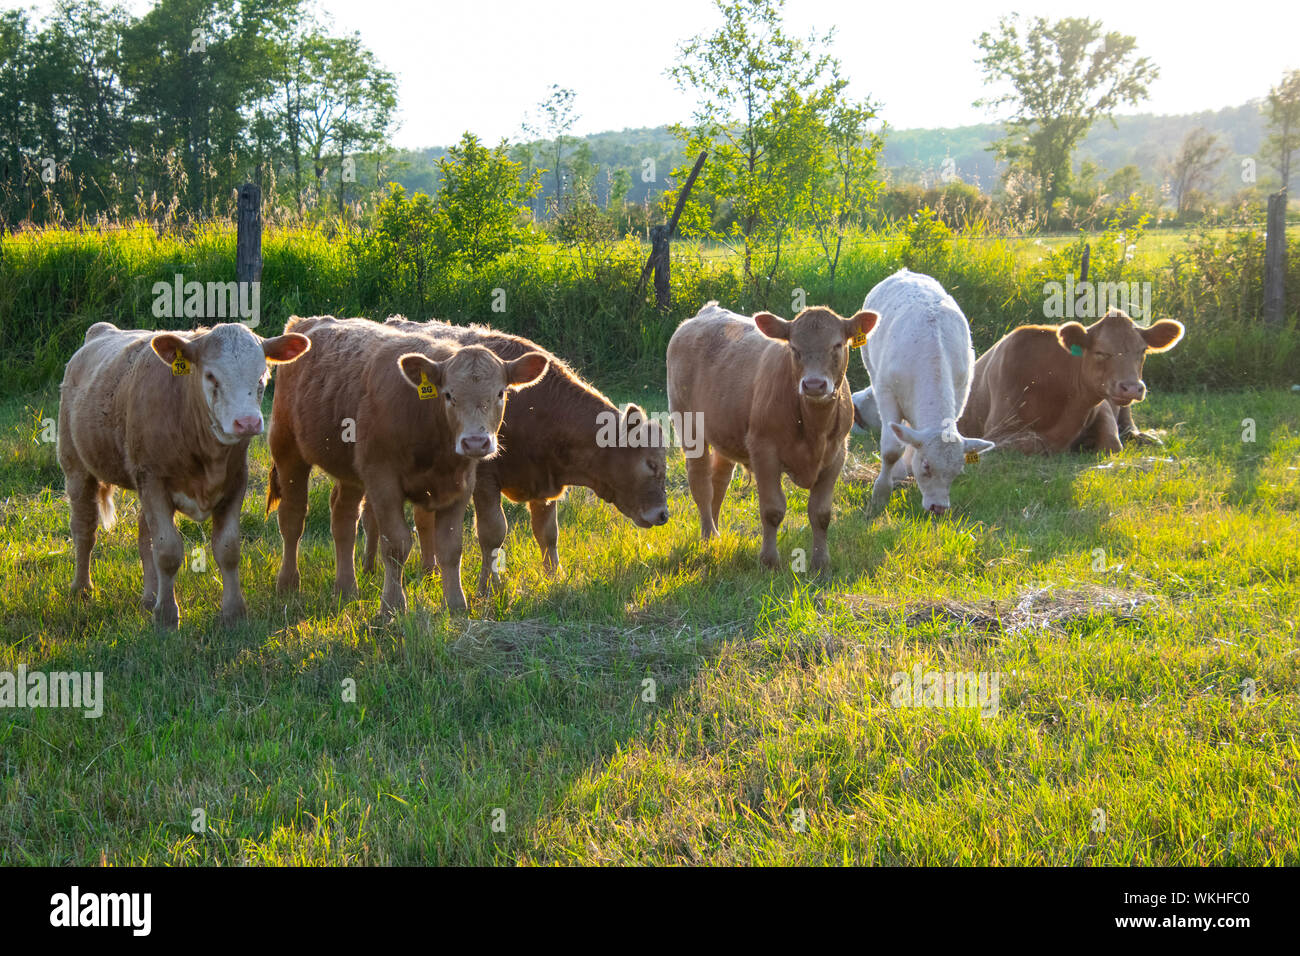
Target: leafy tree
[1191, 169]
[1063, 76]
[763, 100]
[847, 183]
[1283, 110]
[556, 117]
[482, 201]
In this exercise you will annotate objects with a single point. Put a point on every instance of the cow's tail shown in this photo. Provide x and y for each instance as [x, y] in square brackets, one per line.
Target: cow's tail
[104, 505]
[273, 490]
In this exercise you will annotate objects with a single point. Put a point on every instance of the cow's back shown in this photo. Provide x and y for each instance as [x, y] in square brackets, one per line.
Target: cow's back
[714, 367]
[1018, 384]
[921, 342]
[114, 390]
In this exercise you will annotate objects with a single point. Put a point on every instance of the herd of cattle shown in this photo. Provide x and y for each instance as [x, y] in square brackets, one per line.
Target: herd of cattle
[417, 411]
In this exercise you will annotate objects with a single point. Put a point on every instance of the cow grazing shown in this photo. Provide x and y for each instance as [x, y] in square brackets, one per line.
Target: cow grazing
[392, 416]
[168, 415]
[773, 397]
[920, 360]
[549, 440]
[1049, 389]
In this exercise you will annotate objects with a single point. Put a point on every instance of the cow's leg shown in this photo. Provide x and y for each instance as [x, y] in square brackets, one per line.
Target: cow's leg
[766, 467]
[1128, 431]
[891, 448]
[225, 548]
[490, 527]
[144, 540]
[345, 505]
[700, 479]
[546, 531]
[292, 474]
[83, 496]
[168, 550]
[722, 470]
[370, 529]
[425, 523]
[819, 511]
[394, 539]
[1100, 431]
[448, 530]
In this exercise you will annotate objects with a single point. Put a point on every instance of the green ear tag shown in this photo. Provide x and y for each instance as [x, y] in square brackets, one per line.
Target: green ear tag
[180, 366]
[972, 457]
[1076, 350]
[426, 387]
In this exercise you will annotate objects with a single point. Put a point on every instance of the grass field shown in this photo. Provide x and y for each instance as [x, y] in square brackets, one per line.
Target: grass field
[1125, 604]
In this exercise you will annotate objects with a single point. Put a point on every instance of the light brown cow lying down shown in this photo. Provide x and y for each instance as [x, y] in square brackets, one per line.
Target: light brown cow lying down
[550, 438]
[1049, 389]
[773, 396]
[395, 417]
[168, 415]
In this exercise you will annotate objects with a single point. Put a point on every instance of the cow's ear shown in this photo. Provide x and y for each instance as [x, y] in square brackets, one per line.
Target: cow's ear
[772, 326]
[285, 348]
[978, 446]
[420, 370]
[1163, 336]
[168, 347]
[633, 416]
[906, 435]
[526, 369]
[860, 325]
[1073, 336]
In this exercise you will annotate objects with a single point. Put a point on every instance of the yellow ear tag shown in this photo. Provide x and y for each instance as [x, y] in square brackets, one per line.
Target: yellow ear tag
[180, 365]
[426, 387]
[972, 457]
[858, 340]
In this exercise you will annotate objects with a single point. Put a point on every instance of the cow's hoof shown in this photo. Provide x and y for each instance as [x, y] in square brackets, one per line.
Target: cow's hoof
[1143, 438]
[286, 584]
[81, 594]
[771, 561]
[167, 618]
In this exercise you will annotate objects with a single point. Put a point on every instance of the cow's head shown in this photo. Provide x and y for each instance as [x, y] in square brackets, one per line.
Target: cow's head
[638, 471]
[819, 345]
[1112, 351]
[938, 457]
[229, 364]
[471, 385]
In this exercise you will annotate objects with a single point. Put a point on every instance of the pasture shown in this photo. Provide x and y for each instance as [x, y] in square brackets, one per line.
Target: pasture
[666, 702]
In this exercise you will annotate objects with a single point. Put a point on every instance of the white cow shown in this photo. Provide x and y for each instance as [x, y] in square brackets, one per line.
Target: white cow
[920, 361]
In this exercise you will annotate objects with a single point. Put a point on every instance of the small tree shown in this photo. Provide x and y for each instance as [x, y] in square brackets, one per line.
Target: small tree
[1283, 111]
[1064, 75]
[1191, 169]
[846, 184]
[482, 201]
[556, 117]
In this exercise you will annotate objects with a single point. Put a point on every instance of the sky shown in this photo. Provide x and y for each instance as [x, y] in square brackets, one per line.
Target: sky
[481, 65]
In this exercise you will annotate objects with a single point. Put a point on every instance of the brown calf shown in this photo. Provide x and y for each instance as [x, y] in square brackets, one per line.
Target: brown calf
[168, 415]
[549, 440]
[392, 416]
[773, 397]
[1049, 389]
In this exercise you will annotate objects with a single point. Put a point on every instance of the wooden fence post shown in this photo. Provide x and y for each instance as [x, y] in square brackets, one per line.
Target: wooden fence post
[660, 238]
[248, 238]
[1275, 260]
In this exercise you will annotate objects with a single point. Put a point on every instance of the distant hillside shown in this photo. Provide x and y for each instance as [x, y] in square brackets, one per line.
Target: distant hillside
[1144, 140]
[1147, 141]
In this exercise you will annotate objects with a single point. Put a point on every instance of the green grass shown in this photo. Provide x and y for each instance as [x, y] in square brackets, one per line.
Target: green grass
[771, 692]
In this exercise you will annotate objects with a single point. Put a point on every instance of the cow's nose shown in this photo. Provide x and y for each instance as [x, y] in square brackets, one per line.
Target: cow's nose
[938, 509]
[1132, 391]
[815, 386]
[658, 516]
[475, 446]
[248, 425]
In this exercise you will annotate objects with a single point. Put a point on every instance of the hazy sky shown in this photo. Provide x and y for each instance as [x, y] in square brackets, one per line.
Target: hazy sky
[482, 64]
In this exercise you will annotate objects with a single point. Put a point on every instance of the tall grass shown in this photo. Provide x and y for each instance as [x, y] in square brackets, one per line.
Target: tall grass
[580, 300]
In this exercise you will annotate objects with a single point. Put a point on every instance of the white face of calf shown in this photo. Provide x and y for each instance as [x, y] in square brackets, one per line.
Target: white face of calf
[471, 385]
[230, 362]
[938, 457]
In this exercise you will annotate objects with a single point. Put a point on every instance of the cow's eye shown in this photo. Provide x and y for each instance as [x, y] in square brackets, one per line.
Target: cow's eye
[501, 395]
[795, 352]
[211, 378]
[447, 396]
